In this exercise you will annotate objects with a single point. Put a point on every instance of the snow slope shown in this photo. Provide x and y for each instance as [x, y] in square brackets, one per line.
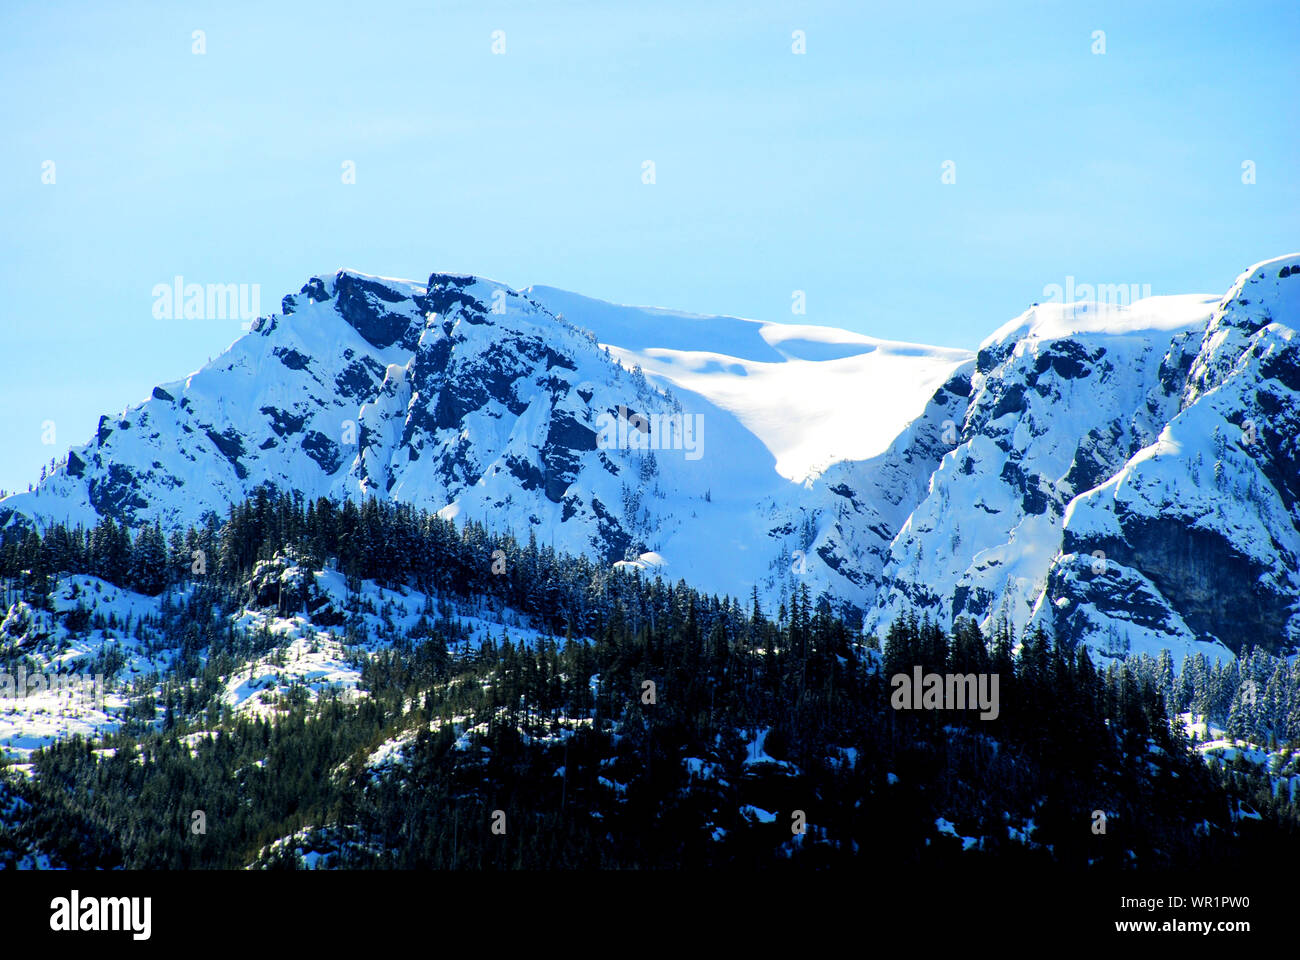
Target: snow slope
[813, 395]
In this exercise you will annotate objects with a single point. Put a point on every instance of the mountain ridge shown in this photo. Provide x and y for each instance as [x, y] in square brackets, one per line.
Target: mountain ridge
[883, 475]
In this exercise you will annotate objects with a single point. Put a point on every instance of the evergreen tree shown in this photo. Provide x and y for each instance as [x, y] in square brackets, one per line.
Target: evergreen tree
[149, 561]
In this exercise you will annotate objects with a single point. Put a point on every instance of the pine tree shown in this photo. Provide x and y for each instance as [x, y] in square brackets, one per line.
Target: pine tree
[1164, 679]
[149, 561]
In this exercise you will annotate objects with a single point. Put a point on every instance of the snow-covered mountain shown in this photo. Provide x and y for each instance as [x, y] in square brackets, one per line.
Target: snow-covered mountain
[1124, 476]
[1120, 475]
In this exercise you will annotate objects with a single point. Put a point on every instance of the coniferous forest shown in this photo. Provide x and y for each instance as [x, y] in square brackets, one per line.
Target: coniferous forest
[628, 723]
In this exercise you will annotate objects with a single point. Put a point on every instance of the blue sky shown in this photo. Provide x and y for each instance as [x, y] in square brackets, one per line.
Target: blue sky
[774, 172]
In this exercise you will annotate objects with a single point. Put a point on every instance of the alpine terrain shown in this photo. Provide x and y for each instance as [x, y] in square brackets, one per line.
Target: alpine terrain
[450, 575]
[1118, 474]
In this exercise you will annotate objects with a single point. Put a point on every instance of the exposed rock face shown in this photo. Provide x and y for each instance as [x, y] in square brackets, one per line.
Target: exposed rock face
[1058, 402]
[1207, 513]
[285, 583]
[1119, 481]
[458, 394]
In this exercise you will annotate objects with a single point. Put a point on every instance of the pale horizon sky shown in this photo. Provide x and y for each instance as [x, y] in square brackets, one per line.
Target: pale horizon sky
[774, 171]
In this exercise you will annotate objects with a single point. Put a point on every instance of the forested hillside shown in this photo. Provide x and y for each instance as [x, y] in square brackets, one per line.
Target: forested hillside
[610, 721]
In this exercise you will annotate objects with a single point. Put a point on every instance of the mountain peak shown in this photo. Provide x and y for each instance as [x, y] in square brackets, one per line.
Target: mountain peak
[1054, 321]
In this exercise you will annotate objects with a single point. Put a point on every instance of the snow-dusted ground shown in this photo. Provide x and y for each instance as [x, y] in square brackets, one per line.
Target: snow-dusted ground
[306, 657]
[1211, 741]
[34, 722]
[42, 716]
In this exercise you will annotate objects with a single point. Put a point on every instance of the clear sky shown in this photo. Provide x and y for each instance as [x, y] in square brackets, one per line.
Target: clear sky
[774, 171]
